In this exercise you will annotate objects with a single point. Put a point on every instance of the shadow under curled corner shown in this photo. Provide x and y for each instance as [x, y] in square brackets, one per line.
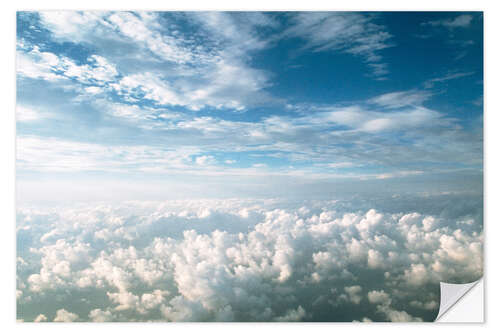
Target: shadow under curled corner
[461, 302]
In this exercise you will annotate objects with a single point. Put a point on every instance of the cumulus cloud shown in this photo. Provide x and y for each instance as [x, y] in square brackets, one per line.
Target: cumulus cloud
[379, 297]
[40, 318]
[354, 293]
[99, 315]
[240, 260]
[293, 315]
[65, 316]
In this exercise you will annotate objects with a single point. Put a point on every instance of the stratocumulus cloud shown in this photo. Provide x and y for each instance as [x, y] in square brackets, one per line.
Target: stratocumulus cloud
[239, 260]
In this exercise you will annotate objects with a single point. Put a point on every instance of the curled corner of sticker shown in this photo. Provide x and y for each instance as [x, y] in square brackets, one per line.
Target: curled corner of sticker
[451, 294]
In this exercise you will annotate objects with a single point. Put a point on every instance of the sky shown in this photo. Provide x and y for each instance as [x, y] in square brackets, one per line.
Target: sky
[152, 105]
[246, 166]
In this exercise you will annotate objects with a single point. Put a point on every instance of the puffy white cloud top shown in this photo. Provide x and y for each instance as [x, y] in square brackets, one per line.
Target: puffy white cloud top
[239, 260]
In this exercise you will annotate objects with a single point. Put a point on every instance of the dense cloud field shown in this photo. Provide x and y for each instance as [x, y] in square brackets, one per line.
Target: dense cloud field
[245, 260]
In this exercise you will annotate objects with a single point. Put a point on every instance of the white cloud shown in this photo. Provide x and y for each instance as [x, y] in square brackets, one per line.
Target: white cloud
[204, 160]
[450, 76]
[65, 316]
[399, 174]
[354, 293]
[379, 297]
[38, 65]
[71, 25]
[152, 86]
[366, 120]
[97, 70]
[431, 305]
[375, 259]
[143, 28]
[99, 315]
[35, 153]
[40, 318]
[241, 29]
[154, 299]
[340, 165]
[397, 316]
[401, 99]
[224, 84]
[28, 114]
[460, 21]
[93, 90]
[293, 315]
[125, 300]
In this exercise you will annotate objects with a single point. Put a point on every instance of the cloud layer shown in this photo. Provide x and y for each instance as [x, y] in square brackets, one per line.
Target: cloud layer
[239, 260]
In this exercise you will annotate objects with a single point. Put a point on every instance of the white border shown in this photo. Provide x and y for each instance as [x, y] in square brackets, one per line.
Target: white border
[7, 140]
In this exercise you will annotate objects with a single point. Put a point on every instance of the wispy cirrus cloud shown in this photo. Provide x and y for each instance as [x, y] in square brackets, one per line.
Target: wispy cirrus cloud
[351, 33]
[51, 154]
[460, 21]
[455, 29]
[450, 76]
[401, 99]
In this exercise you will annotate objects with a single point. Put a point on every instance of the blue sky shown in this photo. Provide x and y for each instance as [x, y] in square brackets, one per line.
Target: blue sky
[248, 103]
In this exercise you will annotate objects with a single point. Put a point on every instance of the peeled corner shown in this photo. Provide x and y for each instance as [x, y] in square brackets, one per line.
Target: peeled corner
[456, 306]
